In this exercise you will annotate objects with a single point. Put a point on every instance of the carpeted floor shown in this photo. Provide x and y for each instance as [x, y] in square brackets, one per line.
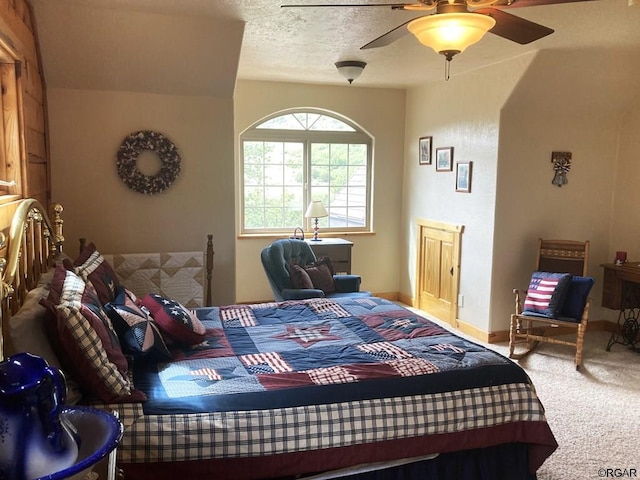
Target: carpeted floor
[594, 413]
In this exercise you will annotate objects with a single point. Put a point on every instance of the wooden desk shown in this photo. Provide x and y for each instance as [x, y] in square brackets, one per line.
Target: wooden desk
[621, 291]
[614, 278]
[337, 249]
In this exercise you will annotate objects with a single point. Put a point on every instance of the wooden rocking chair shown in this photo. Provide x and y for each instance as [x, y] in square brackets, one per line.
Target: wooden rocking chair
[532, 327]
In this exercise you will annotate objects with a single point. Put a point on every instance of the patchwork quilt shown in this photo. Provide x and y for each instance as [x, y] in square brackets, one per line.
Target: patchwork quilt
[291, 382]
[291, 349]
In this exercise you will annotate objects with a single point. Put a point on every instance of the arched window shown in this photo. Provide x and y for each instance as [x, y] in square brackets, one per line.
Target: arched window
[293, 158]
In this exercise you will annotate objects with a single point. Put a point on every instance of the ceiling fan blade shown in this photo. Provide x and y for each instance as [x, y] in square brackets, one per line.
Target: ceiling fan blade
[392, 5]
[389, 37]
[515, 28]
[535, 3]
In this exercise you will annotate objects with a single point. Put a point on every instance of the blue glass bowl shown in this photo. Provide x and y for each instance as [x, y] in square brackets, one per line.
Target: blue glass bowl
[99, 433]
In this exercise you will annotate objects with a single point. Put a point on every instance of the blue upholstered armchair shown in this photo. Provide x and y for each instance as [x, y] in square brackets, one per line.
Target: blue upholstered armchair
[278, 260]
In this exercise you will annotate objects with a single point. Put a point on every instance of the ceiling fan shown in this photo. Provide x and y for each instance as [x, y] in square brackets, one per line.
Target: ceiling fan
[450, 26]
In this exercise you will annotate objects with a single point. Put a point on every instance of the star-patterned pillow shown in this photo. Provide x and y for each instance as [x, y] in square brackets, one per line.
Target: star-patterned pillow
[175, 321]
[139, 335]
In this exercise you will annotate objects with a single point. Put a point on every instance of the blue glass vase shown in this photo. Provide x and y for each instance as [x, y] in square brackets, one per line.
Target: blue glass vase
[35, 440]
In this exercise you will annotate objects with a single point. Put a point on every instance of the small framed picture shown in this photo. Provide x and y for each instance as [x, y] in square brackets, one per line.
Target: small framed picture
[463, 177]
[444, 159]
[425, 151]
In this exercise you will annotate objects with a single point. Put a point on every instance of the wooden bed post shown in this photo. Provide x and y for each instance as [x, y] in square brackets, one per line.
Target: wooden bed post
[209, 262]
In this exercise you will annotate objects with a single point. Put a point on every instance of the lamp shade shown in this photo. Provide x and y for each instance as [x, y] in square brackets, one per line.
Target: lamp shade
[451, 32]
[316, 210]
[350, 69]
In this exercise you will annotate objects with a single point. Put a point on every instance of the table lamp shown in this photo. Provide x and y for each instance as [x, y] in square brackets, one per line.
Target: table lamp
[316, 210]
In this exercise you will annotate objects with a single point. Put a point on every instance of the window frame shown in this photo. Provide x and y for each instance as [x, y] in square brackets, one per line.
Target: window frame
[307, 138]
[13, 161]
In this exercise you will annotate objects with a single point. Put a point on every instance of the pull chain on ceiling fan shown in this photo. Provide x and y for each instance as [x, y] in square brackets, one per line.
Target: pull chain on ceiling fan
[453, 27]
[451, 30]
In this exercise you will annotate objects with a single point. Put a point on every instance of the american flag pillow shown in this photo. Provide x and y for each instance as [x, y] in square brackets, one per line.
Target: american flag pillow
[546, 293]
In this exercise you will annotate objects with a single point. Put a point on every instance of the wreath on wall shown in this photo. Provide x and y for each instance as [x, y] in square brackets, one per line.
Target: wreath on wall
[127, 166]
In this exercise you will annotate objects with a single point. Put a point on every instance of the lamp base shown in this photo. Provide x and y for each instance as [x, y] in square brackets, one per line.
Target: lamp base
[315, 231]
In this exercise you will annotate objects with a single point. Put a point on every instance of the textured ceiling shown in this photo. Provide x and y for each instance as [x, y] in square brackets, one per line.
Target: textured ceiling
[302, 44]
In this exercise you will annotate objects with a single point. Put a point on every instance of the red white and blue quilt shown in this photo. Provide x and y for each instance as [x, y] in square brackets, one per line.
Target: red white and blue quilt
[280, 388]
[293, 351]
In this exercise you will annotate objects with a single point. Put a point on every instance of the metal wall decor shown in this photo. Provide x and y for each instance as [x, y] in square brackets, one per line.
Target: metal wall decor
[561, 166]
[128, 153]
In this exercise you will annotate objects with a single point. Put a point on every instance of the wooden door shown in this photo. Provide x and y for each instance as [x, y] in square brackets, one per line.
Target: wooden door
[438, 270]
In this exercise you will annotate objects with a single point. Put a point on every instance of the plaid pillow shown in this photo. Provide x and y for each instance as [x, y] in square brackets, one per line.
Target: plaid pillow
[136, 329]
[176, 321]
[546, 293]
[85, 339]
[92, 267]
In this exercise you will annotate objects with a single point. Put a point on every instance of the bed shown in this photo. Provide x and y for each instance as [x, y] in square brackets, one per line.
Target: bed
[319, 388]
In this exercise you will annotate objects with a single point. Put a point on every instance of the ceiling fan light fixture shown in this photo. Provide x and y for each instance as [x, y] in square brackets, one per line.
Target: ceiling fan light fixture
[350, 69]
[451, 33]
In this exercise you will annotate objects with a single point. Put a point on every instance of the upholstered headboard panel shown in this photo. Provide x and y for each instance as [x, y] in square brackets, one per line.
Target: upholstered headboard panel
[176, 275]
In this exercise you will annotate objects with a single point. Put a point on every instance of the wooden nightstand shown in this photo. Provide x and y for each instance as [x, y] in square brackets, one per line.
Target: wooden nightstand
[337, 249]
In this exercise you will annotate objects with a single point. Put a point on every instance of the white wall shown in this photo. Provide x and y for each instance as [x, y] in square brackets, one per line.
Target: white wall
[567, 101]
[119, 49]
[111, 72]
[378, 111]
[86, 129]
[625, 221]
[464, 113]
[507, 119]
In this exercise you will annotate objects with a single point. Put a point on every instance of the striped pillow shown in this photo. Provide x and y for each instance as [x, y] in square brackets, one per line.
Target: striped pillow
[546, 293]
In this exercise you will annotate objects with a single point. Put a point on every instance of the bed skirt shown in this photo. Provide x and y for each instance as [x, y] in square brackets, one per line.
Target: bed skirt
[501, 462]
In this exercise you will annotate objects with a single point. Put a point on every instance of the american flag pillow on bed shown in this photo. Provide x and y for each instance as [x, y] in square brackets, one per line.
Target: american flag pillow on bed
[546, 293]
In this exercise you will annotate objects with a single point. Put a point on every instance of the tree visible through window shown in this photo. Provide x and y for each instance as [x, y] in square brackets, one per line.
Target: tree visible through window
[291, 159]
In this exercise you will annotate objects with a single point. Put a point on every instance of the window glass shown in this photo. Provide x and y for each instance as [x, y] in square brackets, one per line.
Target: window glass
[290, 159]
[306, 121]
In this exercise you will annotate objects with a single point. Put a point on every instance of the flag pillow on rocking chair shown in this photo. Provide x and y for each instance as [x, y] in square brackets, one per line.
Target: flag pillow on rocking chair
[546, 293]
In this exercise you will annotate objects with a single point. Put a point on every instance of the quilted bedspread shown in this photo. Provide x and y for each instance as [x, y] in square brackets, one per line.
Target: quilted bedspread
[316, 375]
[276, 355]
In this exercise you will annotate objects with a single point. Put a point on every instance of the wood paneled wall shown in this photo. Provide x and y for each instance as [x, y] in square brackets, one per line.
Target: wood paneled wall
[19, 32]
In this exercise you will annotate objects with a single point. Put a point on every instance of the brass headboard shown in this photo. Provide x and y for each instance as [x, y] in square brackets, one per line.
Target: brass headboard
[29, 247]
[33, 243]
